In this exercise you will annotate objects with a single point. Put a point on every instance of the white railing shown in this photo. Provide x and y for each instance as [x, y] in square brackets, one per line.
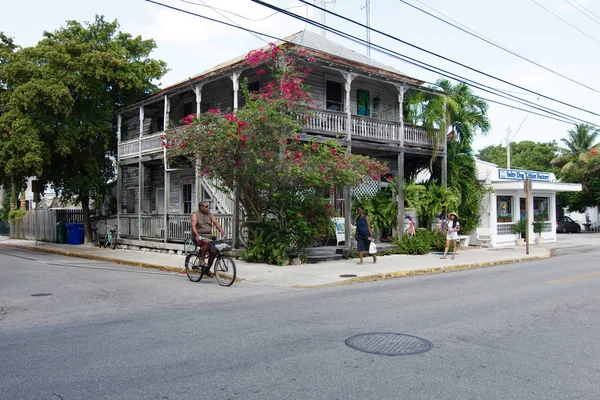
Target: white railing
[374, 128]
[334, 122]
[128, 148]
[416, 134]
[152, 143]
[153, 226]
[327, 121]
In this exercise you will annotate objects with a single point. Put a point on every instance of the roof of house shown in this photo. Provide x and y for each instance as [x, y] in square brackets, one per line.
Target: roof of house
[318, 46]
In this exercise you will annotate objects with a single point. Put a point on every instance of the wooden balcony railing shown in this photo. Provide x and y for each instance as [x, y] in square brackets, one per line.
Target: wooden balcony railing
[321, 121]
[153, 226]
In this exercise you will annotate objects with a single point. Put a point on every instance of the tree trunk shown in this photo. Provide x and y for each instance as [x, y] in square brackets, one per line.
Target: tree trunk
[85, 208]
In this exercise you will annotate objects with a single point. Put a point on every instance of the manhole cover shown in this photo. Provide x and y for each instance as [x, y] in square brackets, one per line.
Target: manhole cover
[41, 294]
[389, 344]
[348, 276]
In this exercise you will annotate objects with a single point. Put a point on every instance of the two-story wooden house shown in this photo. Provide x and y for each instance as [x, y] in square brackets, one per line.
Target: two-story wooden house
[356, 99]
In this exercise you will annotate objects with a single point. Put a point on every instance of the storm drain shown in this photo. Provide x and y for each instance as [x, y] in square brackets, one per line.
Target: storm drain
[41, 294]
[389, 344]
[348, 276]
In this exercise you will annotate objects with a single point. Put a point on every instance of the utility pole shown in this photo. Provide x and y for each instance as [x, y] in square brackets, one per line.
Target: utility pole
[508, 147]
[367, 8]
[323, 14]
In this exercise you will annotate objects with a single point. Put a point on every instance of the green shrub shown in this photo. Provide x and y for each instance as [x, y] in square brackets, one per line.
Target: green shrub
[418, 244]
[16, 215]
[266, 248]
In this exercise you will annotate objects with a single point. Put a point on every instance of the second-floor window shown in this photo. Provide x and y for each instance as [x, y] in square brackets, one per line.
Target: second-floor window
[187, 198]
[333, 95]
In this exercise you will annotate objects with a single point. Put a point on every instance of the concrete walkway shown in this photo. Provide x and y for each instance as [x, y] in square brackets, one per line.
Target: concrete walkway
[306, 275]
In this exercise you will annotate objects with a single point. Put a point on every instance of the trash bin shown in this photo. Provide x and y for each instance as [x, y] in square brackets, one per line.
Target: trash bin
[61, 233]
[72, 234]
[79, 233]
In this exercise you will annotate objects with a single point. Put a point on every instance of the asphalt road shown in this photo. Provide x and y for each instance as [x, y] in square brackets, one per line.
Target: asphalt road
[518, 331]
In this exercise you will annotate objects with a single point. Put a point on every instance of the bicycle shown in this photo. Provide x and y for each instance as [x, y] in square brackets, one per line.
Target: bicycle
[224, 266]
[112, 235]
[95, 236]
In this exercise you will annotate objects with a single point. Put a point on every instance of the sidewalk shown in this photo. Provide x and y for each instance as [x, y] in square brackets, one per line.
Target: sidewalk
[305, 275]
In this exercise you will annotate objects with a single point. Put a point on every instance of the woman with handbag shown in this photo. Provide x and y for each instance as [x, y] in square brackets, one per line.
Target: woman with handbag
[364, 235]
[452, 227]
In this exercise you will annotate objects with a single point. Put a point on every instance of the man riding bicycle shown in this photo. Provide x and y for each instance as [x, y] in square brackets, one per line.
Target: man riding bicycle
[202, 223]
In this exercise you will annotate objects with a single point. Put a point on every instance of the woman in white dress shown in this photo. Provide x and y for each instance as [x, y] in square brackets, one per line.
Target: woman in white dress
[452, 228]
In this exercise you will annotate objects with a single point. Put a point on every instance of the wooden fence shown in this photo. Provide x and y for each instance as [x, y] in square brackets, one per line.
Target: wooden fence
[41, 224]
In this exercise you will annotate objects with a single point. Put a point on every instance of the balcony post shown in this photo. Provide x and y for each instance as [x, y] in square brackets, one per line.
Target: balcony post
[199, 193]
[119, 174]
[165, 172]
[401, 90]
[235, 77]
[140, 174]
[348, 189]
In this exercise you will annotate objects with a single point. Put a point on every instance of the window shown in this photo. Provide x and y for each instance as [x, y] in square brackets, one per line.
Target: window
[504, 207]
[254, 86]
[540, 208]
[334, 96]
[188, 108]
[187, 198]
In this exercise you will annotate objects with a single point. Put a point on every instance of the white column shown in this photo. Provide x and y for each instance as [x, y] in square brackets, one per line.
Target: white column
[119, 174]
[401, 91]
[235, 77]
[198, 90]
[166, 172]
[348, 190]
[140, 174]
[199, 193]
[348, 87]
[494, 218]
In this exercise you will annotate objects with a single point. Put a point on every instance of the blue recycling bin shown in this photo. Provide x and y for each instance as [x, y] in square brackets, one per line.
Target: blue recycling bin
[75, 233]
[71, 232]
[80, 235]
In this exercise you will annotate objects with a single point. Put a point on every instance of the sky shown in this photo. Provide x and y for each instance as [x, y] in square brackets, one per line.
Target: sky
[191, 45]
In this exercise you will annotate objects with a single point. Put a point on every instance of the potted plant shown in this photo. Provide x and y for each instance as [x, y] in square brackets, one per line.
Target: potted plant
[519, 228]
[538, 227]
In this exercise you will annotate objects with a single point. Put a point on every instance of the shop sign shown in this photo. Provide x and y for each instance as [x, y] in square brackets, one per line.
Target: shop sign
[517, 174]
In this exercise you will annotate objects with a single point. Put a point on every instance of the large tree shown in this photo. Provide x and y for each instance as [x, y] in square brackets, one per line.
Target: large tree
[527, 155]
[63, 93]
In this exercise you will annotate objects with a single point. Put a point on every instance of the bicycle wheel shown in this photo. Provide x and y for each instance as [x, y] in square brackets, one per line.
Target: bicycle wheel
[95, 239]
[193, 268]
[225, 271]
[113, 245]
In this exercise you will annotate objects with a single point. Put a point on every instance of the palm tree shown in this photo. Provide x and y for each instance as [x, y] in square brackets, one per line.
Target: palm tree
[456, 107]
[579, 143]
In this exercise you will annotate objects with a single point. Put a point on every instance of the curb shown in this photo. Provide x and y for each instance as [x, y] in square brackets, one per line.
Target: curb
[102, 258]
[426, 271]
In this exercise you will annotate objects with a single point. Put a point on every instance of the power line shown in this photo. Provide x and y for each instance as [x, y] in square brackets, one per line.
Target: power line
[581, 11]
[229, 19]
[584, 7]
[565, 21]
[561, 116]
[522, 122]
[476, 35]
[232, 13]
[421, 49]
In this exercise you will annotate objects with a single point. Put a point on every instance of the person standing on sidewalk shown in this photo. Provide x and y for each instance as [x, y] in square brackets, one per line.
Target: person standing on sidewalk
[452, 228]
[364, 234]
[202, 223]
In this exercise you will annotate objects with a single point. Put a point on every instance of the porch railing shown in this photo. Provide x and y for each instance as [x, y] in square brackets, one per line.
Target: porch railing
[153, 226]
[321, 121]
